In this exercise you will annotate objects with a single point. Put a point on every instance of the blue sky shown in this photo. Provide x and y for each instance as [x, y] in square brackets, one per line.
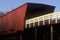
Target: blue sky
[8, 5]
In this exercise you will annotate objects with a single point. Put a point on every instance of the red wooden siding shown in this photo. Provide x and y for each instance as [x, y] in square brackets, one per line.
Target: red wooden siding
[14, 20]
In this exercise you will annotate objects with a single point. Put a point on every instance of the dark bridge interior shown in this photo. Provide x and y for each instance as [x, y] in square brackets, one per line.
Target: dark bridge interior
[42, 33]
[37, 33]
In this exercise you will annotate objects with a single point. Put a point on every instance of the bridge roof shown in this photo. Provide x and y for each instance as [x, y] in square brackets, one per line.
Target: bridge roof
[34, 8]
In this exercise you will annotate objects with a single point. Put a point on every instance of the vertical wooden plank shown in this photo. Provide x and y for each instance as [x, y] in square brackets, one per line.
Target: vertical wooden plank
[51, 32]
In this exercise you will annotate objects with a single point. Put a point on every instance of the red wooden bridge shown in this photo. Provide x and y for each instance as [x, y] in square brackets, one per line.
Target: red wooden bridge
[31, 21]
